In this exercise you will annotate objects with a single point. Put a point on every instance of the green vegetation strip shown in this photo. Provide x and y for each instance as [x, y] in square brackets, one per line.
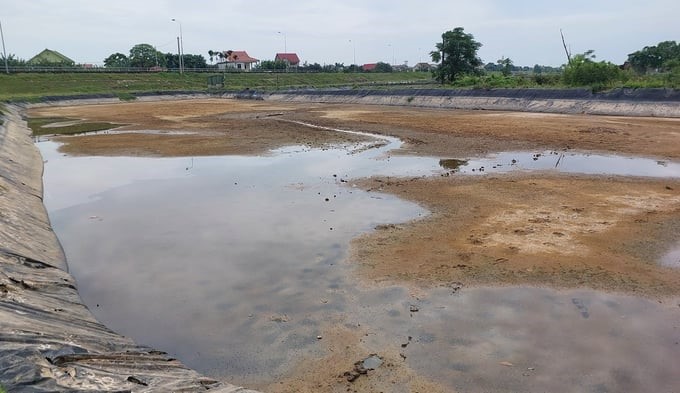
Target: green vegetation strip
[34, 86]
[38, 126]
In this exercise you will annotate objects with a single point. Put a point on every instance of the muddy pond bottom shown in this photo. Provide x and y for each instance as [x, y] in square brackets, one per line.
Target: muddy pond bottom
[236, 266]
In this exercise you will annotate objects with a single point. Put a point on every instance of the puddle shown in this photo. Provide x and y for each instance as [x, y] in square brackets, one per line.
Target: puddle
[221, 261]
[518, 339]
[567, 162]
[672, 257]
[372, 362]
[234, 264]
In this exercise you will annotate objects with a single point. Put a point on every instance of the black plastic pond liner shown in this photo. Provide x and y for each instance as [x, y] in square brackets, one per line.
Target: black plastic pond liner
[49, 340]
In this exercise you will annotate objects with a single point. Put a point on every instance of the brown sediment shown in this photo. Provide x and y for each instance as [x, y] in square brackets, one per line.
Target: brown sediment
[335, 370]
[556, 230]
[187, 128]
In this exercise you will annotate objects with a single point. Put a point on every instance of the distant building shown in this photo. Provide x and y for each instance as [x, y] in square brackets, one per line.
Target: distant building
[238, 60]
[423, 67]
[50, 57]
[291, 59]
[369, 66]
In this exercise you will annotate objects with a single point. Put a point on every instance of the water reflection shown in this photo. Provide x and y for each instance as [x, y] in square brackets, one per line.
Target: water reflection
[568, 162]
[222, 261]
[232, 264]
[672, 257]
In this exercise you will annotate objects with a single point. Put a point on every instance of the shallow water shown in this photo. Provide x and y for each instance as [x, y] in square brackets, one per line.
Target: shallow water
[233, 265]
[567, 162]
[221, 261]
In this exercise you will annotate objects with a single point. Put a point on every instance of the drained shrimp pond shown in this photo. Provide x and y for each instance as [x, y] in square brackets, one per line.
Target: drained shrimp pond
[333, 247]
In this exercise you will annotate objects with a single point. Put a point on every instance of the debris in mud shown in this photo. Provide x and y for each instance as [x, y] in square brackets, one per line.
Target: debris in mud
[506, 364]
[362, 367]
[407, 343]
[454, 286]
[279, 318]
[581, 307]
[136, 380]
[413, 308]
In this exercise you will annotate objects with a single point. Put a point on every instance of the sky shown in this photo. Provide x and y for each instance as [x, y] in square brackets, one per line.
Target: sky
[326, 32]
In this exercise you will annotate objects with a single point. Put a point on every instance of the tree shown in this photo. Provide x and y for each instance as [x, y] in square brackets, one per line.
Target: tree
[273, 65]
[458, 55]
[655, 58]
[194, 61]
[382, 67]
[583, 70]
[146, 56]
[505, 65]
[116, 60]
[12, 61]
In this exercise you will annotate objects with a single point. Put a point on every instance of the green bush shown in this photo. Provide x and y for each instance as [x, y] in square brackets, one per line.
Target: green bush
[672, 78]
[583, 71]
[546, 79]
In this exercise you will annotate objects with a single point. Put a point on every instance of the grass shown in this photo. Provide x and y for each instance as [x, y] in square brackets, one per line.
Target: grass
[2, 390]
[34, 86]
[37, 125]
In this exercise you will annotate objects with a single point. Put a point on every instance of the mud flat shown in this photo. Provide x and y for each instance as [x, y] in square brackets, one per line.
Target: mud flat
[49, 340]
[520, 275]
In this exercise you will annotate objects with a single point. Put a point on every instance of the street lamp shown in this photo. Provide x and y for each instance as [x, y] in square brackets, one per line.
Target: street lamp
[354, 53]
[390, 45]
[180, 46]
[285, 49]
[4, 53]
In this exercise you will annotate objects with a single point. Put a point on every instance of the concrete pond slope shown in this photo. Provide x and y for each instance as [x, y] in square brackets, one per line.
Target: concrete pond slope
[618, 102]
[49, 341]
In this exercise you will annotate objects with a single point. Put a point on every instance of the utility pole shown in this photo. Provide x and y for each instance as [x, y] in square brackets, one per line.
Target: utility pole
[179, 54]
[354, 54]
[180, 47]
[4, 53]
[285, 48]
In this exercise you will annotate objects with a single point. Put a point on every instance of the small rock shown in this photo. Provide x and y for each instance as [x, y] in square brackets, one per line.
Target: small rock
[319, 337]
[506, 364]
[279, 318]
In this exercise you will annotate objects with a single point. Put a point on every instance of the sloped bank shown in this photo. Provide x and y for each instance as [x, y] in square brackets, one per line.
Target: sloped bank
[618, 102]
[49, 341]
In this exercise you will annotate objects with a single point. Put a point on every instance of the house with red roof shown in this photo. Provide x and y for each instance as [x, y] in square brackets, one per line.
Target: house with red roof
[238, 60]
[291, 59]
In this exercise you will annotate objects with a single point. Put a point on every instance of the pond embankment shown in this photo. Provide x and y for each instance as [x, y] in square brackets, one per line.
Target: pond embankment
[49, 341]
[618, 102]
